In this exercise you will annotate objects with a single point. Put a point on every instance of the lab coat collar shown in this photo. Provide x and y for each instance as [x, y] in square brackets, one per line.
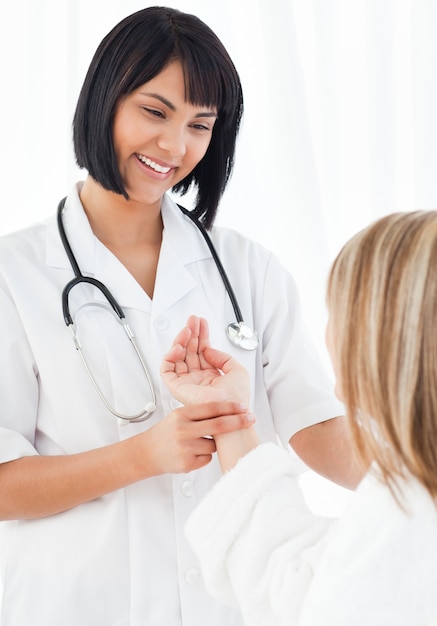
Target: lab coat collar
[79, 233]
[182, 245]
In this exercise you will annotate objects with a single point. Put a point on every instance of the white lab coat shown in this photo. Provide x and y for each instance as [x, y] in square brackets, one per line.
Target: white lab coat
[263, 550]
[123, 560]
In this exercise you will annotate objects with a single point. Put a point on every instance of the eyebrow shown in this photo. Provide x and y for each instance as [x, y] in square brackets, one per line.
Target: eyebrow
[172, 107]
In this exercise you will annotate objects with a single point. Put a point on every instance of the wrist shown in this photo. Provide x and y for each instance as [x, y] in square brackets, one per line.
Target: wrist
[232, 446]
[140, 458]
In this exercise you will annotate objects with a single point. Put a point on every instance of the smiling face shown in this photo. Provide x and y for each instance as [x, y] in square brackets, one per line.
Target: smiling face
[159, 138]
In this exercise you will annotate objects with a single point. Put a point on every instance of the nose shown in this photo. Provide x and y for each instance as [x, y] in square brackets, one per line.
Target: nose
[172, 140]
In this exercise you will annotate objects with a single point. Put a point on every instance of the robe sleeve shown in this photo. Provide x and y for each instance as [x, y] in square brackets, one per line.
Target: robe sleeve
[256, 539]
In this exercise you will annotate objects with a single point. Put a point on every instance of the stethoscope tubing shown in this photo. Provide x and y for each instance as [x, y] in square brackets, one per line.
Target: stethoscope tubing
[79, 277]
[217, 261]
[237, 332]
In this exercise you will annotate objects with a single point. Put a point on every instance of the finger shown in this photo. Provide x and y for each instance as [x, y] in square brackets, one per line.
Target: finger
[173, 362]
[192, 358]
[225, 424]
[193, 323]
[222, 361]
[183, 337]
[209, 410]
[203, 342]
[204, 445]
[199, 461]
[203, 334]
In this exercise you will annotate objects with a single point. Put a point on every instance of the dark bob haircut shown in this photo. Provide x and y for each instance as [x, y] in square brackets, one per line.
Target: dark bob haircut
[134, 52]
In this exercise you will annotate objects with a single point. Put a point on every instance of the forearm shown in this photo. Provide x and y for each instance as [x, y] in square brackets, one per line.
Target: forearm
[328, 450]
[39, 486]
[232, 446]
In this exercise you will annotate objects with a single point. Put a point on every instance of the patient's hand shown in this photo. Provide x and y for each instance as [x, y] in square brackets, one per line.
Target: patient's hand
[195, 373]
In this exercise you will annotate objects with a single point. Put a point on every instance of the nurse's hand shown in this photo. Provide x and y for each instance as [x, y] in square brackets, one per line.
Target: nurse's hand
[196, 373]
[185, 439]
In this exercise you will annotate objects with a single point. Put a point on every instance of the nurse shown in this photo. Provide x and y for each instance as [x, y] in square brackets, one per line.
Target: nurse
[94, 506]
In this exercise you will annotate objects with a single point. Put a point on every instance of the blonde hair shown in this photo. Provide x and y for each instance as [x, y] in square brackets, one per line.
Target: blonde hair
[382, 299]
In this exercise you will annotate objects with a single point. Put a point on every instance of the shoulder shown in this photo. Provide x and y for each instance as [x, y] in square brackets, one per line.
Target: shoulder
[228, 242]
[25, 241]
[228, 237]
[389, 526]
[408, 503]
[375, 556]
[249, 257]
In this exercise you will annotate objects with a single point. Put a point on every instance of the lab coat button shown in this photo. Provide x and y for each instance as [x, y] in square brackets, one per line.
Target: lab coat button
[192, 576]
[175, 404]
[187, 488]
[161, 322]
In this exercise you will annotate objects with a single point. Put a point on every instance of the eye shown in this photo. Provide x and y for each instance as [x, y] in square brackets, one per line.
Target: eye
[201, 127]
[153, 112]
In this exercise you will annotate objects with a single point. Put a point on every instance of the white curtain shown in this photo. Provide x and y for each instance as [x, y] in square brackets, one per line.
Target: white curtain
[340, 124]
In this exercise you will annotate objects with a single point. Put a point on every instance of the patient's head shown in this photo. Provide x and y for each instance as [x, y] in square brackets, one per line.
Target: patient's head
[382, 336]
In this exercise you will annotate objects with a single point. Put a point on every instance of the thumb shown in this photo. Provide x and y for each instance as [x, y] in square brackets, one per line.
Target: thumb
[222, 361]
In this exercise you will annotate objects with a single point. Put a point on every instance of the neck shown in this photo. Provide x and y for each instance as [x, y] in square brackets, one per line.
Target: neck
[130, 229]
[116, 221]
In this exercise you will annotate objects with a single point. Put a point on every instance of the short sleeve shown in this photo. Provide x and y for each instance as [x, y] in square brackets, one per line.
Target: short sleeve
[300, 391]
[18, 384]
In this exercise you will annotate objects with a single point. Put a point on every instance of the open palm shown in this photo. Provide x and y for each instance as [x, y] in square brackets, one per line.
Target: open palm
[196, 373]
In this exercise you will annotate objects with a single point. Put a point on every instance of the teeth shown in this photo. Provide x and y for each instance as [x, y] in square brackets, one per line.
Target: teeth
[153, 165]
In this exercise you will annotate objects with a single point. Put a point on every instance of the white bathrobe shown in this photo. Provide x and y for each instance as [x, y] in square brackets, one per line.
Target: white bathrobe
[261, 548]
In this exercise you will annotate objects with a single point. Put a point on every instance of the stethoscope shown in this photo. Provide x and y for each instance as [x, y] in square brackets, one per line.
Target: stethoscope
[239, 333]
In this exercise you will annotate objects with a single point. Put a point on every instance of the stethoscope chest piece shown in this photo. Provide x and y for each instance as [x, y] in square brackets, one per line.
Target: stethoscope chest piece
[238, 333]
[241, 335]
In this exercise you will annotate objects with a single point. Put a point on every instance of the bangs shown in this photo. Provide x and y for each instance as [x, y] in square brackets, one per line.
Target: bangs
[207, 84]
[210, 76]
